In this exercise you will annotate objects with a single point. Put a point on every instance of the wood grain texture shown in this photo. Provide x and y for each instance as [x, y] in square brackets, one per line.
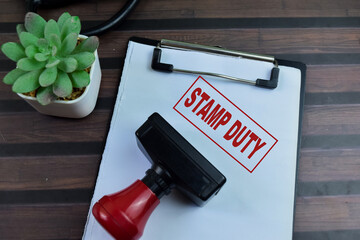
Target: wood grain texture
[66, 221]
[79, 172]
[43, 221]
[327, 213]
[321, 165]
[331, 120]
[32, 127]
[327, 118]
[266, 41]
[99, 10]
[333, 78]
[320, 79]
[48, 172]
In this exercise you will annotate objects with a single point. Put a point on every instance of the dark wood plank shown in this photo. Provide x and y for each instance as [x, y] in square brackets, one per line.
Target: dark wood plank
[333, 78]
[331, 120]
[80, 172]
[5, 90]
[320, 165]
[265, 41]
[320, 79]
[48, 173]
[335, 234]
[66, 221]
[43, 221]
[99, 10]
[32, 127]
[327, 213]
[245, 8]
[110, 81]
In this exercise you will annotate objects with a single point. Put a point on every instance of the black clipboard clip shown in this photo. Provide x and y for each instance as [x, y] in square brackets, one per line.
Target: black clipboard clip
[157, 65]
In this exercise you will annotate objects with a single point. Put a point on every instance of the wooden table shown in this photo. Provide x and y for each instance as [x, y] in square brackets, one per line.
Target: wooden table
[48, 165]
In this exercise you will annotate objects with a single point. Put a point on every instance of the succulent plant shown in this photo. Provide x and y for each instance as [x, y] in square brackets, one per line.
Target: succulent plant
[49, 57]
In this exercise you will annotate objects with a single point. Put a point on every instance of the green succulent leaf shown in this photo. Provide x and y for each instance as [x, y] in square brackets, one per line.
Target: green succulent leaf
[53, 61]
[35, 24]
[13, 75]
[29, 64]
[27, 82]
[71, 25]
[43, 44]
[62, 86]
[88, 45]
[51, 27]
[84, 59]
[41, 57]
[69, 44]
[14, 51]
[55, 40]
[80, 79]
[48, 76]
[45, 95]
[68, 65]
[62, 19]
[27, 39]
[54, 50]
[30, 51]
[20, 28]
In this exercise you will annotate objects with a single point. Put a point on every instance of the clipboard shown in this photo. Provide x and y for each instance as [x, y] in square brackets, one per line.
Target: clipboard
[257, 202]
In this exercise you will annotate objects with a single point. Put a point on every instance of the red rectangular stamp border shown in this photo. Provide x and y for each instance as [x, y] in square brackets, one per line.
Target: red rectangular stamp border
[213, 139]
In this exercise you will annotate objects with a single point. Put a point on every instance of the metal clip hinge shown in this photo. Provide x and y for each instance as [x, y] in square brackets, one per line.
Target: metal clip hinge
[164, 67]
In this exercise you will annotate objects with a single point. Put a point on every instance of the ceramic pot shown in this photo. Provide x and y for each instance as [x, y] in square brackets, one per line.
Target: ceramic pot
[78, 108]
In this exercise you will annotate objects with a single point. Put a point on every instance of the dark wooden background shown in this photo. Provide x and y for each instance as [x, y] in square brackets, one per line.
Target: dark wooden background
[48, 165]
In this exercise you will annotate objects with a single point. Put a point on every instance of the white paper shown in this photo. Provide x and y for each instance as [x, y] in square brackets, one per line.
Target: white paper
[251, 206]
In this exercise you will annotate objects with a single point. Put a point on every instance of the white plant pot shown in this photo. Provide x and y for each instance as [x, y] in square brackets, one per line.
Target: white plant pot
[78, 108]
